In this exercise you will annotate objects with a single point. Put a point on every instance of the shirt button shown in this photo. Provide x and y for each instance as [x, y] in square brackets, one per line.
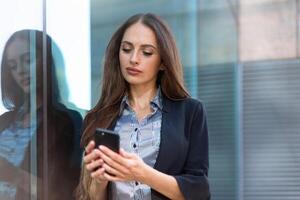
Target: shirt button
[134, 145]
[136, 183]
[136, 129]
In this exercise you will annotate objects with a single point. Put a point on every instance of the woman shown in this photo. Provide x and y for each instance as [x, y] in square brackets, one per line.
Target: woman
[29, 116]
[164, 140]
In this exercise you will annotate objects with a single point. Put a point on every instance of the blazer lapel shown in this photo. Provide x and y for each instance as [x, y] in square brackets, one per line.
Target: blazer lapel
[165, 134]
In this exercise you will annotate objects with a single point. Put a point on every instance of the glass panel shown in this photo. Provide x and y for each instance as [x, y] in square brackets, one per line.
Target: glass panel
[71, 37]
[217, 44]
[271, 130]
[21, 61]
[68, 89]
[40, 122]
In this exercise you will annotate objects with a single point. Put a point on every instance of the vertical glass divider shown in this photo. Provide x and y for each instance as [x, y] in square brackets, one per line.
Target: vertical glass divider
[33, 117]
[192, 26]
[239, 131]
[45, 105]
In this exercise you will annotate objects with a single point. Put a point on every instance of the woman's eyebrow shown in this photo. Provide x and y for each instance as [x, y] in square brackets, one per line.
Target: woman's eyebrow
[143, 45]
[126, 42]
[22, 56]
[25, 54]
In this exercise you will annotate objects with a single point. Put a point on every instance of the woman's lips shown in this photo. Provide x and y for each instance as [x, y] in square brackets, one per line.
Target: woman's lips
[133, 71]
[25, 81]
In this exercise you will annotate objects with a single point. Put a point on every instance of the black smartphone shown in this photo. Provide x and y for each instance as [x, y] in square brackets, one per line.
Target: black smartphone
[107, 138]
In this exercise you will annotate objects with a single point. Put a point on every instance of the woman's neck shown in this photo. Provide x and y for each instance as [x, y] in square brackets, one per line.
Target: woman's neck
[27, 104]
[24, 114]
[140, 96]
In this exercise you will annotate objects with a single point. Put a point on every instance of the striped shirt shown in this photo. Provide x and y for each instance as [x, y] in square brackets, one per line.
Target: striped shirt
[139, 137]
[14, 142]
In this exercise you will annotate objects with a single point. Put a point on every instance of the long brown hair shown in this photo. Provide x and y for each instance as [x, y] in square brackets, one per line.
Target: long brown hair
[114, 86]
[13, 96]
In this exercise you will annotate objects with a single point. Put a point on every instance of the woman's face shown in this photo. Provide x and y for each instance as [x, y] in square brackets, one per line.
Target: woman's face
[139, 55]
[18, 62]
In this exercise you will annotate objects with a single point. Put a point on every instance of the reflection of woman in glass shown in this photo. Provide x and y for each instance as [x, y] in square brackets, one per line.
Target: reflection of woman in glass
[34, 111]
[163, 132]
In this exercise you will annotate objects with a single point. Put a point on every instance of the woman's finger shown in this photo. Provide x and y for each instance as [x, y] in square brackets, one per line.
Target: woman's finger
[125, 154]
[109, 177]
[127, 161]
[113, 155]
[94, 165]
[91, 145]
[112, 171]
[99, 174]
[113, 163]
[93, 155]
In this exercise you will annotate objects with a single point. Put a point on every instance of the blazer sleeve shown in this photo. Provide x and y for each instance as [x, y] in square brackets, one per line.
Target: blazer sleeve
[193, 181]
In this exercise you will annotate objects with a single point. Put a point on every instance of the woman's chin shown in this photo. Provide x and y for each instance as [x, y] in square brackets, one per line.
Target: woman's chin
[26, 89]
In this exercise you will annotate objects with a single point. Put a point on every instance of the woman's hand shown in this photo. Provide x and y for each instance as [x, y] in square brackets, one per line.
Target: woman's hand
[122, 167]
[130, 167]
[94, 163]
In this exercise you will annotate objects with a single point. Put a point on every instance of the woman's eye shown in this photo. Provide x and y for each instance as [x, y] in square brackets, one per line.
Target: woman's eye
[126, 50]
[147, 53]
[12, 66]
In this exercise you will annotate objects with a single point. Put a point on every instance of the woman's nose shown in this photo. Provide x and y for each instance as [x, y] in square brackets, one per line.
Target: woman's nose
[134, 59]
[23, 67]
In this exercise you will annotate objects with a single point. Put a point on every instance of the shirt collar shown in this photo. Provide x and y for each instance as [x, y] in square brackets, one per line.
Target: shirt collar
[157, 101]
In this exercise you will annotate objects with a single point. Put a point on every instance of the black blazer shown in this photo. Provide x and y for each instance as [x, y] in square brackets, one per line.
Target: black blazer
[183, 151]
